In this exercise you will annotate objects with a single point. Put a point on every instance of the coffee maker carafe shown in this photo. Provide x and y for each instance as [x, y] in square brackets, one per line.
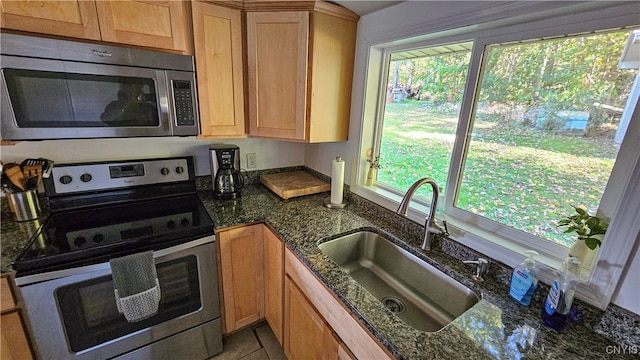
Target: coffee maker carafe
[225, 171]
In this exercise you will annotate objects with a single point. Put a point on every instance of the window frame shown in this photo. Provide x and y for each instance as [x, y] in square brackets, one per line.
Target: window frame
[622, 194]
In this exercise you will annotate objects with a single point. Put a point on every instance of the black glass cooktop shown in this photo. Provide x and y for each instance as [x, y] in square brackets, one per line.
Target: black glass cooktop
[93, 235]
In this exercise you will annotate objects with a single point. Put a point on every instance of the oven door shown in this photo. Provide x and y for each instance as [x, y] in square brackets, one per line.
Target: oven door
[54, 99]
[75, 316]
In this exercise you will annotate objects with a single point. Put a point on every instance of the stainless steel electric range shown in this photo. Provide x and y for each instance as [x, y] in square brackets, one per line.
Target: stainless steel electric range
[101, 211]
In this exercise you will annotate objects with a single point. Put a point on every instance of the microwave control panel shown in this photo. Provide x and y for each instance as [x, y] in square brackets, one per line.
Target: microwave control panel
[183, 100]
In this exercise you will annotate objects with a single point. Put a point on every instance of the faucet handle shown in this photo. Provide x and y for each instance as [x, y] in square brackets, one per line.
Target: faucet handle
[482, 268]
[446, 229]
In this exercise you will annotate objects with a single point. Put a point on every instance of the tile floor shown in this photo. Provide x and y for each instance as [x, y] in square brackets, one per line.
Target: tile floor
[255, 343]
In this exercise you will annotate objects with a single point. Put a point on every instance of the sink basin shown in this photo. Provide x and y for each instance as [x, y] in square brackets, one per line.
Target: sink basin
[419, 294]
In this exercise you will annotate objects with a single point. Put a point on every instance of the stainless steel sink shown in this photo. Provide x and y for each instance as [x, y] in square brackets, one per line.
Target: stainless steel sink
[419, 294]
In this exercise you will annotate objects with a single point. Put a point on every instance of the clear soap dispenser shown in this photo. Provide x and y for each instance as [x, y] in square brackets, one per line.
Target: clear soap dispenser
[524, 280]
[556, 308]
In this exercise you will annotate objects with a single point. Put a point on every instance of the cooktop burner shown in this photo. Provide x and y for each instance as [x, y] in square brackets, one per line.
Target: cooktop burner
[92, 235]
[110, 209]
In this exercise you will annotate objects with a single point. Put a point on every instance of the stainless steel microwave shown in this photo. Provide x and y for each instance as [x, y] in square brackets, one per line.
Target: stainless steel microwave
[57, 89]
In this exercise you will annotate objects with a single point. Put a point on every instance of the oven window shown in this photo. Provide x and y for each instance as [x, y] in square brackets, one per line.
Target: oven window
[43, 99]
[89, 312]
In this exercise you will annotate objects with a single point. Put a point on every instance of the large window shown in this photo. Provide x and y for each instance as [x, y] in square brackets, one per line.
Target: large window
[424, 95]
[543, 130]
[540, 134]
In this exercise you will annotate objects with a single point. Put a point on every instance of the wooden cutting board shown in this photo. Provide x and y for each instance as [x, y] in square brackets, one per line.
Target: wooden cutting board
[295, 183]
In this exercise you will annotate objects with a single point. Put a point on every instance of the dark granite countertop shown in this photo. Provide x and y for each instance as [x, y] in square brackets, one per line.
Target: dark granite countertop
[494, 328]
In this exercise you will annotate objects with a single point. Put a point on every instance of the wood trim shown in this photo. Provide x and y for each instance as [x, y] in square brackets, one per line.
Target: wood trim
[358, 339]
[320, 6]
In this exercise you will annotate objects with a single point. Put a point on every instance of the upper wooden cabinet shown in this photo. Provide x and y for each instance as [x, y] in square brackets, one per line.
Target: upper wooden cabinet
[154, 24]
[78, 19]
[217, 35]
[300, 69]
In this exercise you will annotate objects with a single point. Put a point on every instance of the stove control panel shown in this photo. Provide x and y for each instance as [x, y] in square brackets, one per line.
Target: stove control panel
[77, 178]
[110, 234]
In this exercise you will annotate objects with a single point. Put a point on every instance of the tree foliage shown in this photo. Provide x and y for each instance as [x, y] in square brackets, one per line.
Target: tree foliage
[568, 73]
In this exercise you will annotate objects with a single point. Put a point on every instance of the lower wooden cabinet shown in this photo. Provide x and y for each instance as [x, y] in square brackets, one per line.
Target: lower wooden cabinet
[252, 278]
[354, 340]
[307, 336]
[241, 260]
[261, 279]
[15, 343]
[273, 249]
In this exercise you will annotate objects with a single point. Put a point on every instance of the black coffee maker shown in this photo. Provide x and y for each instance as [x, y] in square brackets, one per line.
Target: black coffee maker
[225, 170]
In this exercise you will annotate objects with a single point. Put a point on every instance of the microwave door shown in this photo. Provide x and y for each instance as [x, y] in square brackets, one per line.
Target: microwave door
[52, 99]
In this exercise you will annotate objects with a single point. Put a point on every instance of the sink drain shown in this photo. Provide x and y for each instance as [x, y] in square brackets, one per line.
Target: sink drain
[394, 304]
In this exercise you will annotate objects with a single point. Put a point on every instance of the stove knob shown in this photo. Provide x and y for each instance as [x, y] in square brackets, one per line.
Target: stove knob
[184, 222]
[65, 179]
[79, 241]
[179, 170]
[86, 177]
[171, 224]
[98, 238]
[164, 171]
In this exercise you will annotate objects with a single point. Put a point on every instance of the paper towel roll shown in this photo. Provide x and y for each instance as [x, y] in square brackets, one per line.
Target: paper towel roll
[337, 180]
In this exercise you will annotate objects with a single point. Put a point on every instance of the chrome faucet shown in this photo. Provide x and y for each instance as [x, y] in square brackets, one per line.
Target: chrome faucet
[482, 268]
[431, 227]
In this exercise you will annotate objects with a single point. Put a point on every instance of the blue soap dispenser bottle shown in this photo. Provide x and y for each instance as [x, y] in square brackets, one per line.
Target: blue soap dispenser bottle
[524, 280]
[558, 303]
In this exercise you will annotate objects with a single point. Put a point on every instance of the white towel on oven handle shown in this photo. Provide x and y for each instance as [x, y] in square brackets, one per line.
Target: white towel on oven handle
[139, 306]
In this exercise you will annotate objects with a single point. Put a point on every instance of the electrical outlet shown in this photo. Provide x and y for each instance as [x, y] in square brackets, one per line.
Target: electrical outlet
[251, 161]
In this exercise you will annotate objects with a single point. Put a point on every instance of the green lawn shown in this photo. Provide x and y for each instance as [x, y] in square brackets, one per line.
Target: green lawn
[522, 177]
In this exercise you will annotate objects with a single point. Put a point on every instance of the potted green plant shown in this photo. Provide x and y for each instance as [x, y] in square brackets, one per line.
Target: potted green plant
[374, 165]
[590, 230]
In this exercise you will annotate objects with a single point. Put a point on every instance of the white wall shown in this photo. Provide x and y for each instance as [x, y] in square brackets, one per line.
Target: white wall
[269, 153]
[414, 18]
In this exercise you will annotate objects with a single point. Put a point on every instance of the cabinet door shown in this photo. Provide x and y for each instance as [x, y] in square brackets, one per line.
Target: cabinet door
[217, 35]
[242, 276]
[76, 19]
[277, 50]
[343, 351]
[334, 41]
[273, 281]
[307, 337]
[15, 344]
[155, 24]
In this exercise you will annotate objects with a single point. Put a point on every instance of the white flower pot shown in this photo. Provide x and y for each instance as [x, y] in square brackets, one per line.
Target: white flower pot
[371, 176]
[586, 256]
